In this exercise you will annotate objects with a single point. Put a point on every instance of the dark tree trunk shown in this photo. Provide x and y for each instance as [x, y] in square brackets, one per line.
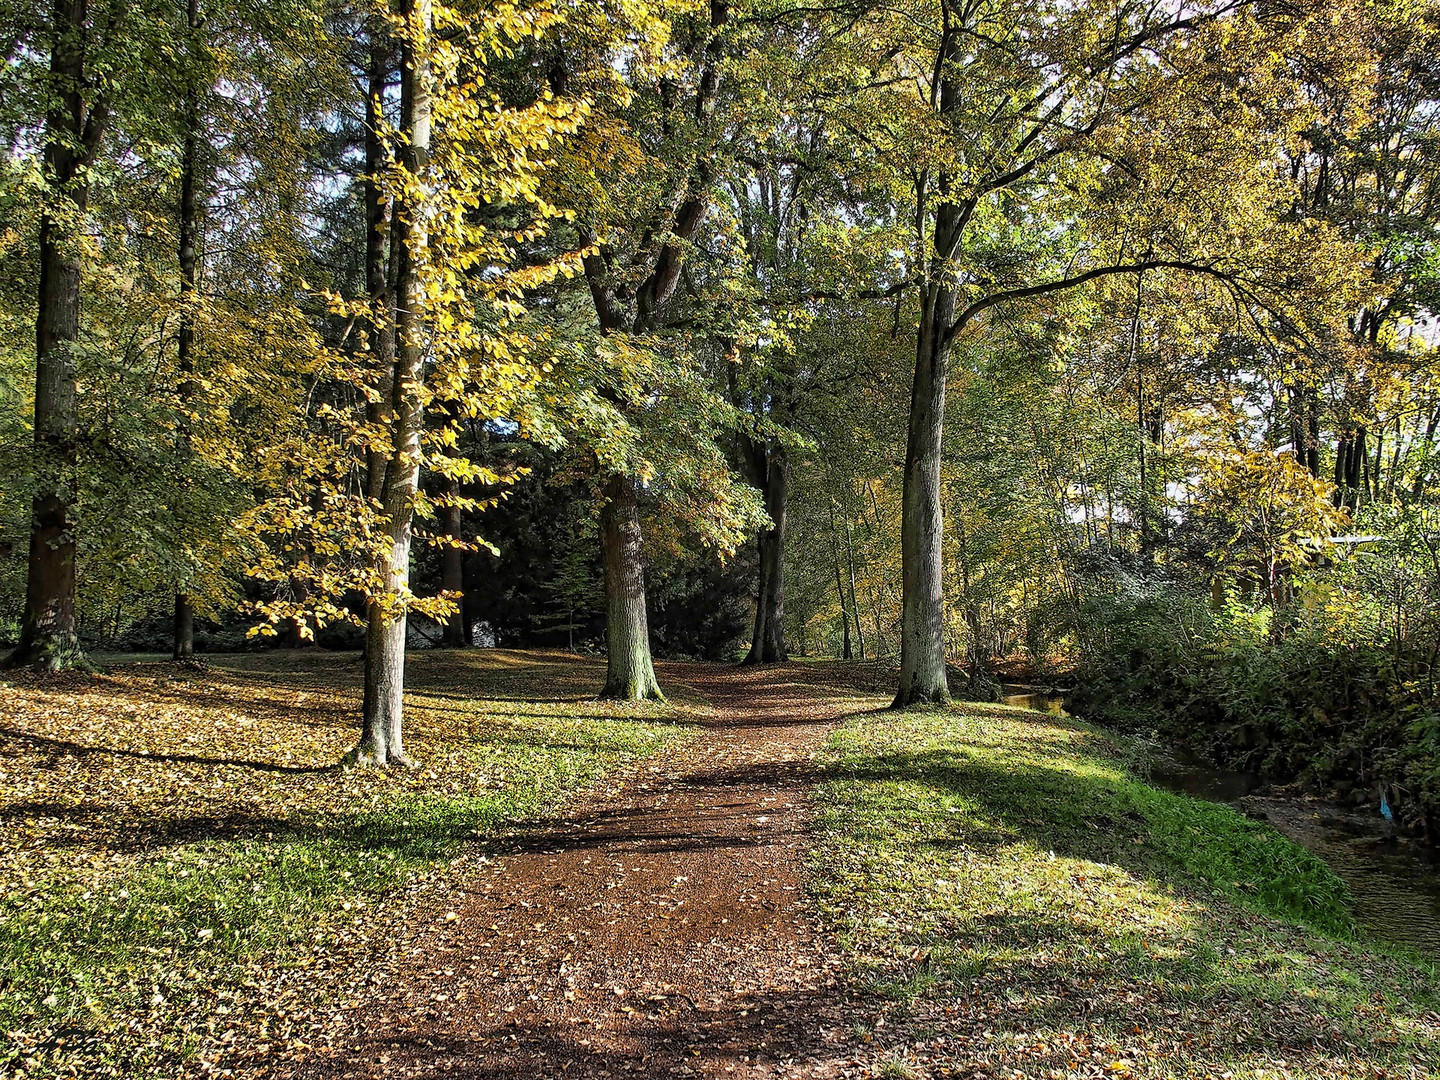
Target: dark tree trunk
[767, 640]
[47, 631]
[184, 628]
[452, 571]
[381, 738]
[183, 645]
[854, 603]
[381, 330]
[629, 672]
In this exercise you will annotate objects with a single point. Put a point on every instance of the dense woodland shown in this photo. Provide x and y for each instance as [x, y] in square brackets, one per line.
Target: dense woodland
[1089, 341]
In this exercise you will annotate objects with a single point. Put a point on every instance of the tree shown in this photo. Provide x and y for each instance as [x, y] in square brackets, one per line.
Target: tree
[77, 106]
[1025, 113]
[659, 121]
[461, 351]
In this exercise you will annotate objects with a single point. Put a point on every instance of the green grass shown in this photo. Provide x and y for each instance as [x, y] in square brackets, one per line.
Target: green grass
[998, 873]
[177, 917]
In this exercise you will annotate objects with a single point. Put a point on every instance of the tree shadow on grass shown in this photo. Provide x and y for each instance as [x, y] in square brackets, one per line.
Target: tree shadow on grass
[57, 747]
[1151, 834]
[1018, 930]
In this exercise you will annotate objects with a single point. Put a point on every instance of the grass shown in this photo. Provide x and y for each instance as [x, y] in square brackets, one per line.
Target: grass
[1029, 908]
[178, 846]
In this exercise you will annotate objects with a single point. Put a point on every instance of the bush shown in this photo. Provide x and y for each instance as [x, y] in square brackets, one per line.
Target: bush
[1316, 692]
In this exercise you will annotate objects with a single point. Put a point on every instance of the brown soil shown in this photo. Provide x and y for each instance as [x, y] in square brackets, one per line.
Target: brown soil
[660, 928]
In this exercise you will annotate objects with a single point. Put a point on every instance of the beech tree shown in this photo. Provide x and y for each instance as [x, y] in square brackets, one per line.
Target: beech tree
[1007, 113]
[460, 349]
[77, 98]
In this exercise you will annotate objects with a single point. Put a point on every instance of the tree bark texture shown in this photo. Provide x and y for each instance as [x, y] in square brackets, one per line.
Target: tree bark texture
[183, 644]
[73, 132]
[184, 628]
[922, 633]
[382, 734]
[629, 671]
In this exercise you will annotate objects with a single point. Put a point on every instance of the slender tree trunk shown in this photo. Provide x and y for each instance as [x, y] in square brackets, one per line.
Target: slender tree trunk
[854, 603]
[767, 643]
[629, 671]
[381, 739]
[47, 632]
[183, 645]
[452, 567]
[377, 278]
[846, 653]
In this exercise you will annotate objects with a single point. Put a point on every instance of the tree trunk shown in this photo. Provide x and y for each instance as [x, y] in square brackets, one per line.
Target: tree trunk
[183, 645]
[629, 672]
[184, 628]
[767, 642]
[845, 651]
[47, 631]
[922, 631]
[452, 567]
[854, 603]
[381, 738]
[377, 279]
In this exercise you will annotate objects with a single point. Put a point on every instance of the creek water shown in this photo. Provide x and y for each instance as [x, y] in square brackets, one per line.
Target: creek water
[1394, 881]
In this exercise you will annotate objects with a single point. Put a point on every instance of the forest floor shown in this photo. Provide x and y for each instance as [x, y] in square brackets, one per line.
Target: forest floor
[769, 876]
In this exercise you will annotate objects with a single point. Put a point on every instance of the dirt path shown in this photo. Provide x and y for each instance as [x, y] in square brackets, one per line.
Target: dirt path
[661, 929]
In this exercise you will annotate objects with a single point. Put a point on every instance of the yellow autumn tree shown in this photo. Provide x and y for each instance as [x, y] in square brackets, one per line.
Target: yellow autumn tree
[456, 153]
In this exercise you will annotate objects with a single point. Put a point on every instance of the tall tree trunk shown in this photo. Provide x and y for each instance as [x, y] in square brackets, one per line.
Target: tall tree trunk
[452, 569]
[381, 738]
[922, 634]
[629, 670]
[767, 643]
[377, 279]
[47, 631]
[183, 644]
[854, 603]
[846, 653]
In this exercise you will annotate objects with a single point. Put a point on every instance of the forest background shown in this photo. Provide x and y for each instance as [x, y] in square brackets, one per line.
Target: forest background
[1090, 341]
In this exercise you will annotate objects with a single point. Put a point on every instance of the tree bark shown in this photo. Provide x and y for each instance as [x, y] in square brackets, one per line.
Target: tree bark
[377, 278]
[923, 677]
[629, 671]
[184, 626]
[854, 603]
[846, 653]
[382, 735]
[183, 644]
[452, 570]
[73, 132]
[767, 641]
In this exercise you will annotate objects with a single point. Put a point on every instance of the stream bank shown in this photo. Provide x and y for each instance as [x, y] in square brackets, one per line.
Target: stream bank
[1394, 881]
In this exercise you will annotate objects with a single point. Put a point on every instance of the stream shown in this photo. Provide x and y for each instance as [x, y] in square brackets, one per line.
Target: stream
[1394, 881]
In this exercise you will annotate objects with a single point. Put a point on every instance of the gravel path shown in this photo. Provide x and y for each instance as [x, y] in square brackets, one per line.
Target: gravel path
[660, 928]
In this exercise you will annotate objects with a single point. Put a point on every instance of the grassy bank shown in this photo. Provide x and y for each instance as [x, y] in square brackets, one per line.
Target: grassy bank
[1032, 910]
[183, 867]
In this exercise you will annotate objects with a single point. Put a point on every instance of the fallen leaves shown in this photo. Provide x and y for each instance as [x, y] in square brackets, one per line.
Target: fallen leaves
[189, 875]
